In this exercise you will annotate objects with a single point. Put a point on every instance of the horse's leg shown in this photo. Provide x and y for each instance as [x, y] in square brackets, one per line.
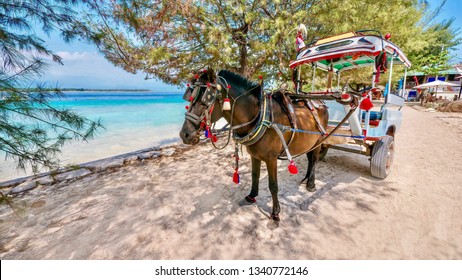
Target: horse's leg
[256, 165]
[313, 157]
[272, 166]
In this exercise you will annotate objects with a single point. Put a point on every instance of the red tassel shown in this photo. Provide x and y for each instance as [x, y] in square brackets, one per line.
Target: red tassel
[377, 75]
[366, 104]
[236, 178]
[292, 168]
[214, 138]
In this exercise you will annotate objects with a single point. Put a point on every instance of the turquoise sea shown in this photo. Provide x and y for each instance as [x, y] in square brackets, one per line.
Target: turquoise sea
[132, 121]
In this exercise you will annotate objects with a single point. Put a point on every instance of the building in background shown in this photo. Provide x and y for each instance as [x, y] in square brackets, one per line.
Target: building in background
[443, 92]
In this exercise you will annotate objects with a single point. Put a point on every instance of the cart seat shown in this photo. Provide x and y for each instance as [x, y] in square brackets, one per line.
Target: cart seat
[374, 116]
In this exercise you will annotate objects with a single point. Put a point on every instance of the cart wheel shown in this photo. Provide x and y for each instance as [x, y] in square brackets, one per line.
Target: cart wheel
[323, 152]
[382, 157]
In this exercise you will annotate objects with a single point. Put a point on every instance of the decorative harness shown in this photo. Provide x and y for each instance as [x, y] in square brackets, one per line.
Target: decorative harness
[263, 119]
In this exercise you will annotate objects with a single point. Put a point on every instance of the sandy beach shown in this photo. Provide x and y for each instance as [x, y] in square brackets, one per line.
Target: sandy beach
[185, 206]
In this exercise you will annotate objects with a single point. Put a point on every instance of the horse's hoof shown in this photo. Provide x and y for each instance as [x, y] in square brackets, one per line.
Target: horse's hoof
[247, 201]
[311, 189]
[275, 217]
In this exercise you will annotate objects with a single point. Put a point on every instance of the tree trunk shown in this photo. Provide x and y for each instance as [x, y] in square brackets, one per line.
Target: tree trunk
[240, 37]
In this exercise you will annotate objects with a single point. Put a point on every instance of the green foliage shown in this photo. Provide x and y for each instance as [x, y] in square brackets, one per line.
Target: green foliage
[434, 63]
[170, 39]
[31, 131]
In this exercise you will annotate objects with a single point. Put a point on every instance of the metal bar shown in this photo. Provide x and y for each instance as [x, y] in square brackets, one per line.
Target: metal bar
[338, 80]
[320, 133]
[299, 82]
[403, 90]
[389, 79]
[314, 77]
[346, 149]
[311, 96]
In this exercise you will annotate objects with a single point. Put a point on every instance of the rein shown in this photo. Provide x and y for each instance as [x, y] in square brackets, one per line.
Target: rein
[263, 119]
[231, 127]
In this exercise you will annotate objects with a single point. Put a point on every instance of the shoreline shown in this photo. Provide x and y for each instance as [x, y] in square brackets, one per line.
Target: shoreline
[81, 170]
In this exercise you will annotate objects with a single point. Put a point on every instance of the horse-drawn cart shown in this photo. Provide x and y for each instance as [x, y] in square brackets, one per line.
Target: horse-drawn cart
[272, 127]
[370, 129]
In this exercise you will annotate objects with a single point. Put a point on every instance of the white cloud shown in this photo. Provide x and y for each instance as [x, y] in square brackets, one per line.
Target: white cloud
[74, 55]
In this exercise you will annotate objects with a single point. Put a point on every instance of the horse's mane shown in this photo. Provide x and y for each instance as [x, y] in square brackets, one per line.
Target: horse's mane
[236, 79]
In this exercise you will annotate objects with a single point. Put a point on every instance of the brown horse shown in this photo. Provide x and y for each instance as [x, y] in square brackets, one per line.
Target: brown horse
[207, 93]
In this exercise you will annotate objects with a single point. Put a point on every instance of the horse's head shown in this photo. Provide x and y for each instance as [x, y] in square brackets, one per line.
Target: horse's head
[202, 93]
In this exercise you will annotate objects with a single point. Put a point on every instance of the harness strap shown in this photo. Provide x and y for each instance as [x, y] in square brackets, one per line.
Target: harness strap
[321, 128]
[245, 124]
[291, 114]
[195, 119]
[259, 130]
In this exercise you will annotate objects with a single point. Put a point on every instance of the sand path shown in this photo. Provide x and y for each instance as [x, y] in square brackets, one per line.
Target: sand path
[185, 207]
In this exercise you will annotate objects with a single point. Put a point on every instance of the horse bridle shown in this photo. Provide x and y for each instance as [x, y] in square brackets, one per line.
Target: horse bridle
[211, 94]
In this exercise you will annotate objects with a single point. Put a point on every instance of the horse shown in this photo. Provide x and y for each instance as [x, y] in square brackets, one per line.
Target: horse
[208, 93]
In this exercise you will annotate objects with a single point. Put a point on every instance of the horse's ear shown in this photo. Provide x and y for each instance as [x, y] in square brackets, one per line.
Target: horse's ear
[211, 74]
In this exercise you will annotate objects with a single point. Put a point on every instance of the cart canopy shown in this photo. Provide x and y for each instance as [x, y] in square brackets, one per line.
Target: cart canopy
[349, 51]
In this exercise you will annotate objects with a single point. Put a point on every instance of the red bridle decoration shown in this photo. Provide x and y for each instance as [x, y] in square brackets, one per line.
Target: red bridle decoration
[236, 177]
[366, 104]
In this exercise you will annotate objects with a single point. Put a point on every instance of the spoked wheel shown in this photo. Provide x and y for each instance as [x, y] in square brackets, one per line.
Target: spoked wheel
[382, 157]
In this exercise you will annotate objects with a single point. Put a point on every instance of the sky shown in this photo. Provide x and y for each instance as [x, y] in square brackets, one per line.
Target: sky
[451, 9]
[85, 67]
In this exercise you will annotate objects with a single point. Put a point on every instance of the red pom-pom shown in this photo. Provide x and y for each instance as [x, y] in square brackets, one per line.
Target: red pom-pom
[208, 84]
[292, 168]
[186, 107]
[366, 104]
[236, 178]
[260, 77]
[345, 96]
[196, 76]
[205, 71]
[229, 86]
[387, 36]
[191, 98]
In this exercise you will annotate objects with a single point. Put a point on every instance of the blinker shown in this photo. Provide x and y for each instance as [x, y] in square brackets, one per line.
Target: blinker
[208, 97]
